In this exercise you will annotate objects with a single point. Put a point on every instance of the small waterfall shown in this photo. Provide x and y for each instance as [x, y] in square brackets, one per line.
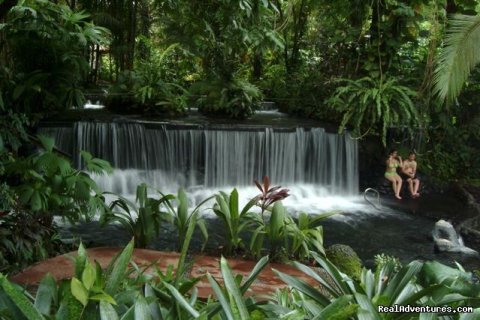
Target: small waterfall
[169, 156]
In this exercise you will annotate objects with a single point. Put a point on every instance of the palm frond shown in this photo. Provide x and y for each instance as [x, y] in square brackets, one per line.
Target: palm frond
[460, 54]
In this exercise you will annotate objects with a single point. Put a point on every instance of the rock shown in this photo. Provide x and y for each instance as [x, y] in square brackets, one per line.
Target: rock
[346, 259]
[446, 239]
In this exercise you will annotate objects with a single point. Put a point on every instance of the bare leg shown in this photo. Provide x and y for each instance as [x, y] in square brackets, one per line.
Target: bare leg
[399, 187]
[416, 186]
[410, 186]
[393, 180]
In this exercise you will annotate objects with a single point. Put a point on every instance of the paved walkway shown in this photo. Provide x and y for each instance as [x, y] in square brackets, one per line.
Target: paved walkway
[62, 267]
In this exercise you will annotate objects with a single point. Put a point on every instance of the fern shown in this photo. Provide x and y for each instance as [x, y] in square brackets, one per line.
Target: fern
[368, 104]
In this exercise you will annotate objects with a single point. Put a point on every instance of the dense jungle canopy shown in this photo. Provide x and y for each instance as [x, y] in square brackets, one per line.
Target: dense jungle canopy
[372, 67]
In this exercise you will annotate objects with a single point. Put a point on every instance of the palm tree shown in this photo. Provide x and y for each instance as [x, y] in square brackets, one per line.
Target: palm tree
[461, 53]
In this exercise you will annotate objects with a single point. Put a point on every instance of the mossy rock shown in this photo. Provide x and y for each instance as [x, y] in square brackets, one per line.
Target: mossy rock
[346, 260]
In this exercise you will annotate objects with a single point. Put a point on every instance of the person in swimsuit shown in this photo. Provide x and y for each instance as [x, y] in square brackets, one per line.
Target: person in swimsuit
[409, 172]
[393, 162]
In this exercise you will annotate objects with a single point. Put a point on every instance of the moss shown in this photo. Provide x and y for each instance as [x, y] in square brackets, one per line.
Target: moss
[346, 260]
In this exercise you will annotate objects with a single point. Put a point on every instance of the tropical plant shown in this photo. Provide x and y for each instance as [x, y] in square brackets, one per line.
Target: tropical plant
[269, 195]
[142, 222]
[58, 38]
[382, 259]
[375, 104]
[124, 290]
[155, 94]
[306, 235]
[281, 234]
[418, 284]
[227, 209]
[49, 185]
[24, 240]
[236, 98]
[181, 218]
[232, 302]
[460, 54]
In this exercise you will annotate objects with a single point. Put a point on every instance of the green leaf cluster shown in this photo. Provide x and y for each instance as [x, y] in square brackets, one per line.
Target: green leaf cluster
[370, 104]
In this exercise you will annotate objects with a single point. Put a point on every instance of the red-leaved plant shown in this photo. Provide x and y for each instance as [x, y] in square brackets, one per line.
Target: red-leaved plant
[269, 194]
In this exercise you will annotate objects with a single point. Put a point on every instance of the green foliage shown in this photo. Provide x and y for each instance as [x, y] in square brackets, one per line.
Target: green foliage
[454, 146]
[281, 235]
[181, 217]
[124, 291]
[306, 235]
[371, 104]
[382, 259]
[151, 88]
[346, 259]
[346, 297]
[49, 185]
[36, 188]
[145, 91]
[231, 297]
[24, 240]
[142, 221]
[284, 237]
[460, 54]
[58, 38]
[236, 98]
[227, 209]
[222, 34]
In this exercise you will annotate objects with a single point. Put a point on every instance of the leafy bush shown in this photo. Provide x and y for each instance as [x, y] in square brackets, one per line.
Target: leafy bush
[372, 104]
[49, 185]
[226, 208]
[280, 234]
[38, 187]
[142, 222]
[24, 240]
[123, 290]
[58, 37]
[418, 284]
[382, 259]
[145, 91]
[236, 99]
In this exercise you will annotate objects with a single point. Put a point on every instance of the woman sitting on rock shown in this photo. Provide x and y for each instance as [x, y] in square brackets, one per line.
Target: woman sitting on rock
[393, 162]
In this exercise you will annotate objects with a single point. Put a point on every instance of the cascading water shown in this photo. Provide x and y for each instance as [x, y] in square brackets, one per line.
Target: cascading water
[167, 157]
[319, 168]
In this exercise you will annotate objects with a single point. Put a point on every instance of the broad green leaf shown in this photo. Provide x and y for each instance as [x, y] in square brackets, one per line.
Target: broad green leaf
[46, 294]
[103, 297]
[79, 291]
[88, 276]
[142, 312]
[119, 269]
[26, 307]
[233, 289]
[107, 312]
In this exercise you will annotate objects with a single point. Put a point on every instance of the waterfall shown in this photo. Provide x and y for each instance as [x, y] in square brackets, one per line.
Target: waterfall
[168, 156]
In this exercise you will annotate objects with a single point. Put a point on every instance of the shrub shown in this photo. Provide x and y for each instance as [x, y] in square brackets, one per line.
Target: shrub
[236, 99]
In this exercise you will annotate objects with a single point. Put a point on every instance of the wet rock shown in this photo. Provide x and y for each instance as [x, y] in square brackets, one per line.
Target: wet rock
[446, 239]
